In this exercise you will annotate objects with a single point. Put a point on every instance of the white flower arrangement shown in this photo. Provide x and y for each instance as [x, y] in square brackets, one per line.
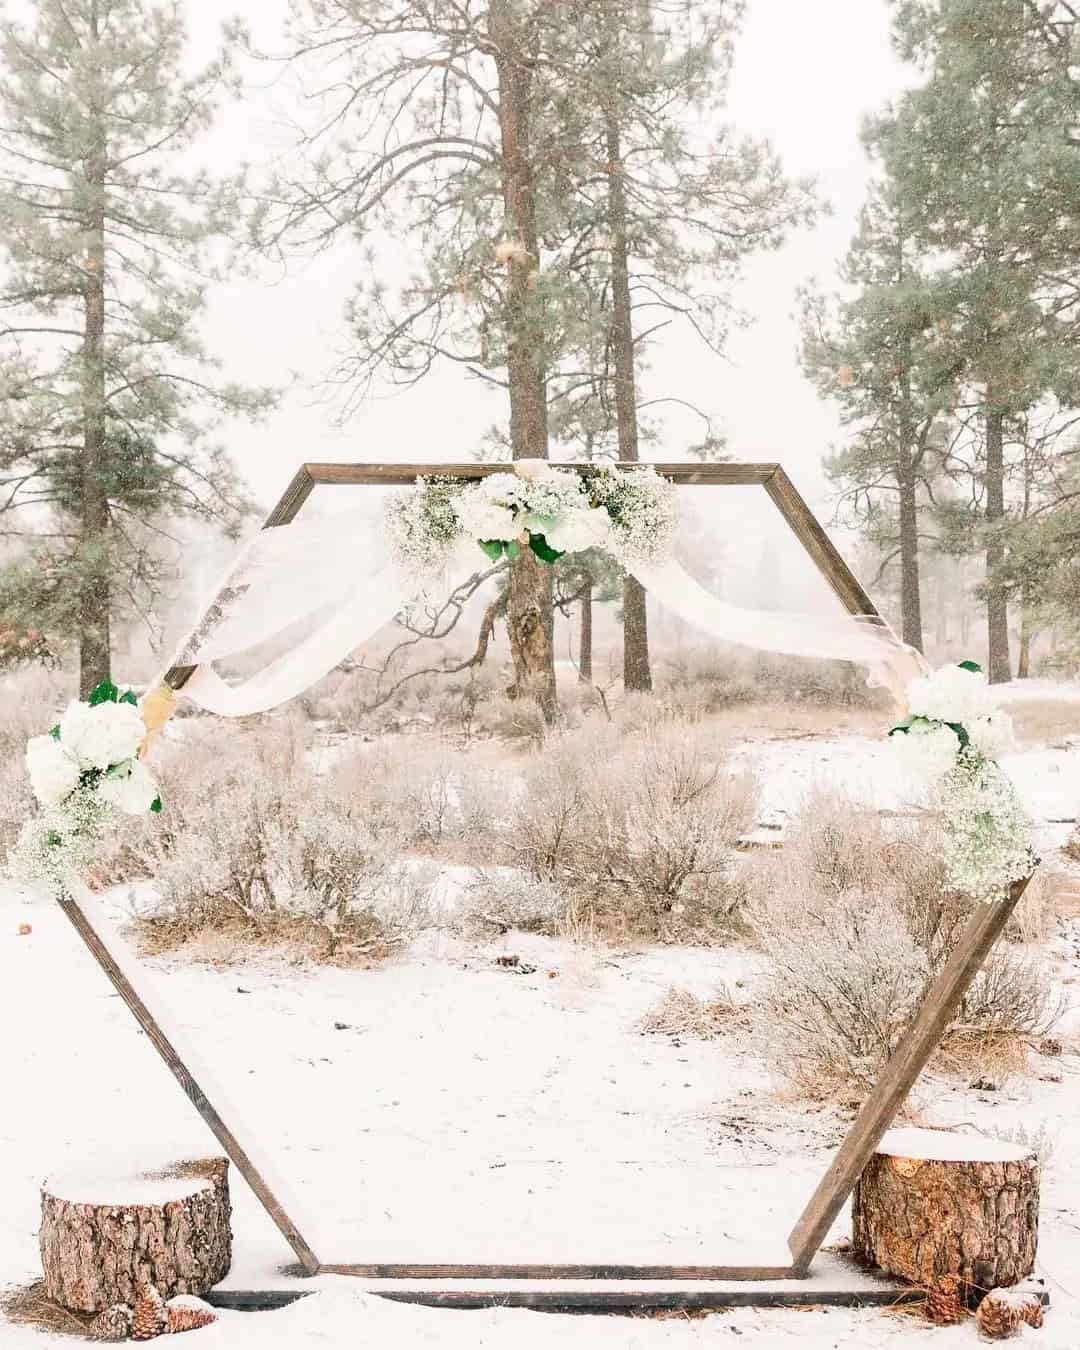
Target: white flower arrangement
[421, 526]
[950, 741]
[632, 514]
[82, 772]
[953, 695]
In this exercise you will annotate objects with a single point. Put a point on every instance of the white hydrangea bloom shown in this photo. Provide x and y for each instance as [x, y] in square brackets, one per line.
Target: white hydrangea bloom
[54, 772]
[504, 489]
[951, 694]
[579, 530]
[484, 519]
[99, 736]
[992, 736]
[926, 753]
[131, 788]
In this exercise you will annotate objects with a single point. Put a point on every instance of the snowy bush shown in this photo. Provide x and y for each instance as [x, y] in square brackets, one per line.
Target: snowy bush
[842, 981]
[254, 841]
[854, 919]
[499, 899]
[637, 837]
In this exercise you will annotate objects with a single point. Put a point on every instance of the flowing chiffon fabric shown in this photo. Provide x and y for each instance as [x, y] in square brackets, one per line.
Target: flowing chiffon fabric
[337, 578]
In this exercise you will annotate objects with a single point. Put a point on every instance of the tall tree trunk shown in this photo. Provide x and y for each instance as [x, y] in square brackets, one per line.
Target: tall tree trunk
[910, 597]
[531, 621]
[585, 640]
[1027, 634]
[637, 671]
[94, 635]
[999, 665]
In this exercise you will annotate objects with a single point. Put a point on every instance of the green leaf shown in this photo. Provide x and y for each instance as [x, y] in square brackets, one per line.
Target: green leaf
[155, 805]
[543, 549]
[973, 666]
[513, 549]
[105, 692]
[130, 697]
[54, 732]
[961, 734]
[493, 548]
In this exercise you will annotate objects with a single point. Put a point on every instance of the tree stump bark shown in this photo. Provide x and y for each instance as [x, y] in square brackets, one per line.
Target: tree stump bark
[103, 1239]
[931, 1204]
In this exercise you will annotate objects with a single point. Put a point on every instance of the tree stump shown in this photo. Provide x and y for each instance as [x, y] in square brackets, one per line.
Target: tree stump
[932, 1204]
[102, 1239]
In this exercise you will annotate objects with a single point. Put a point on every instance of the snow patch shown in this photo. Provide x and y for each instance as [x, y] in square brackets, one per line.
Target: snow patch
[946, 1146]
[123, 1192]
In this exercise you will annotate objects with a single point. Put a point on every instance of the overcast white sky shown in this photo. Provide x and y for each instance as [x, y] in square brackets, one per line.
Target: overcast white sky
[805, 75]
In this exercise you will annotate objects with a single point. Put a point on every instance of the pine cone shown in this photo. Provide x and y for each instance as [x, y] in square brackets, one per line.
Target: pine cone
[114, 1324]
[998, 1315]
[149, 1318]
[944, 1304]
[1031, 1310]
[187, 1313]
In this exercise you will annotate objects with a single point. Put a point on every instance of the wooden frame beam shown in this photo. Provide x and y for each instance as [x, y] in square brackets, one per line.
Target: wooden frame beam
[875, 1116]
[179, 1070]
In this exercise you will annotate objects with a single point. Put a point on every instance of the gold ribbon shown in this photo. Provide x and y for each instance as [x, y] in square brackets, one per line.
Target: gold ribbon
[155, 709]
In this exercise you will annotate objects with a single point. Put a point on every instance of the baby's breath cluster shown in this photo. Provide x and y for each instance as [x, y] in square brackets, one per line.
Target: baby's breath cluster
[949, 744]
[632, 514]
[644, 512]
[421, 524]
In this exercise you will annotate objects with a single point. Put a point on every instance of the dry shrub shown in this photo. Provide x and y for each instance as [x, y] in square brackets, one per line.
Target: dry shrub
[465, 706]
[681, 1013]
[500, 899]
[844, 975]
[1032, 920]
[853, 918]
[637, 836]
[253, 842]
[435, 801]
[718, 678]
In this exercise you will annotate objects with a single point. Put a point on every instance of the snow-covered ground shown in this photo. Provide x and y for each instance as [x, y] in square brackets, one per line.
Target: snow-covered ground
[442, 1108]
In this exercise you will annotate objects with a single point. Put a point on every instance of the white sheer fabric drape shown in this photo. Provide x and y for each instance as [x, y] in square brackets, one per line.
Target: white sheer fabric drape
[337, 578]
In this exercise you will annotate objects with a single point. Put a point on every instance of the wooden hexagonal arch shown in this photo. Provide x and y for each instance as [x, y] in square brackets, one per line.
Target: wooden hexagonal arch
[547, 1285]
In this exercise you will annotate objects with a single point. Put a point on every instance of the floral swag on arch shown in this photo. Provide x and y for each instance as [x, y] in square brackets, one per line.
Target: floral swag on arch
[322, 588]
[345, 581]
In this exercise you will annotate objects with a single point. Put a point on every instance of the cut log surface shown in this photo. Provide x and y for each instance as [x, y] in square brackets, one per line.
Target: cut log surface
[933, 1203]
[103, 1238]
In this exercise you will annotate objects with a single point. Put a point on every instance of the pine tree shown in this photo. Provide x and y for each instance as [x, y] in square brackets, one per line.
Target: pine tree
[108, 392]
[460, 168]
[982, 148]
[874, 354]
[503, 163]
[663, 219]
